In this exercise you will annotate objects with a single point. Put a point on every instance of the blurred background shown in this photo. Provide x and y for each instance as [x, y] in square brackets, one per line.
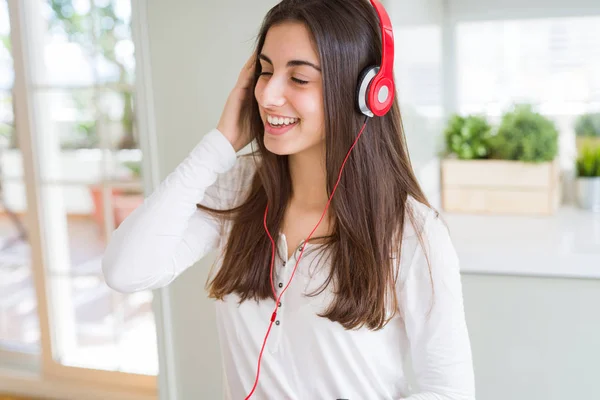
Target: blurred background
[501, 108]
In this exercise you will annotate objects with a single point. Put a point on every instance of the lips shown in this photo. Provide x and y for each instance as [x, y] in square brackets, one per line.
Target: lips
[279, 130]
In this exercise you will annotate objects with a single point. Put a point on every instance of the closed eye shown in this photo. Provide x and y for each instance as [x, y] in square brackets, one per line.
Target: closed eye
[298, 81]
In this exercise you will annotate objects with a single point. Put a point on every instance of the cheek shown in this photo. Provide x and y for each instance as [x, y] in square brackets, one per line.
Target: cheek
[310, 105]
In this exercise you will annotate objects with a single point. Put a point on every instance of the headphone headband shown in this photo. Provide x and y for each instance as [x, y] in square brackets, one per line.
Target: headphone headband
[375, 90]
[387, 38]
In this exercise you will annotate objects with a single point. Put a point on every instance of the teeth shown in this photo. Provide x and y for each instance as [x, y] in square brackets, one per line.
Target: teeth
[281, 121]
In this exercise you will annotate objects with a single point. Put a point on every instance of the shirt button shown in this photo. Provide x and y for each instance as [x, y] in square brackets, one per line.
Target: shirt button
[276, 322]
[284, 263]
[279, 304]
[280, 284]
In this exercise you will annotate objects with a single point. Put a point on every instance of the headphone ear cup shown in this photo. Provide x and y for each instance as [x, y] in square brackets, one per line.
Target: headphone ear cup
[363, 87]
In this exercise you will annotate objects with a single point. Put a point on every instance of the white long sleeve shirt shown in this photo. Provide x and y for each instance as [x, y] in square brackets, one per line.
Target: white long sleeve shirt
[306, 357]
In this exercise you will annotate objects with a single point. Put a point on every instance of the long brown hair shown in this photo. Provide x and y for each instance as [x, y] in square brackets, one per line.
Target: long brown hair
[370, 206]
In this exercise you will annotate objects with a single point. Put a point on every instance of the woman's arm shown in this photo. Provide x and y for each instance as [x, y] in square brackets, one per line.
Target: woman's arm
[167, 233]
[432, 306]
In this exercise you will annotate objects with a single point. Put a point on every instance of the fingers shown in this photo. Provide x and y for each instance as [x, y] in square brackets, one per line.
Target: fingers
[247, 71]
[250, 63]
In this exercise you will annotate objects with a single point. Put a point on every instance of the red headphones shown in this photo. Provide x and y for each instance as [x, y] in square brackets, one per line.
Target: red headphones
[375, 97]
[376, 84]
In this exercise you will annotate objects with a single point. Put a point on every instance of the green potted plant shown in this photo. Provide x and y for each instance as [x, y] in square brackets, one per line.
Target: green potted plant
[468, 137]
[510, 170]
[587, 130]
[588, 178]
[525, 135]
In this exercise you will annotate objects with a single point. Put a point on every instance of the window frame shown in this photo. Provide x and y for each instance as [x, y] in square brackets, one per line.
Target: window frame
[39, 374]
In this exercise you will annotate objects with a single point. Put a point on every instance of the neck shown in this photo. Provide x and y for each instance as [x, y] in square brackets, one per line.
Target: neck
[309, 178]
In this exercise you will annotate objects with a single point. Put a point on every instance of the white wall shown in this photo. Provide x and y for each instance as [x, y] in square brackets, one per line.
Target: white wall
[534, 338]
[411, 12]
[197, 49]
[510, 9]
[418, 65]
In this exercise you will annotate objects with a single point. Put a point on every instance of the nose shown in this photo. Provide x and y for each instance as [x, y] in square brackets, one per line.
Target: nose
[273, 93]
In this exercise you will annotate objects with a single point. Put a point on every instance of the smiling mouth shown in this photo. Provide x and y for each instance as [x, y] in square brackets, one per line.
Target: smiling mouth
[280, 122]
[279, 128]
[283, 125]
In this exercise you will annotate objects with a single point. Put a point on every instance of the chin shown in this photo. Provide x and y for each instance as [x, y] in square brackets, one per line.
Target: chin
[285, 148]
[280, 149]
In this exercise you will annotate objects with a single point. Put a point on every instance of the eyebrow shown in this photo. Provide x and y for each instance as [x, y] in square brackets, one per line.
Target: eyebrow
[291, 63]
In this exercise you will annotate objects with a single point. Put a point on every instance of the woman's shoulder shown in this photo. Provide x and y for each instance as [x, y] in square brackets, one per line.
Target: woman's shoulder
[243, 170]
[417, 216]
[231, 187]
[424, 230]
[426, 233]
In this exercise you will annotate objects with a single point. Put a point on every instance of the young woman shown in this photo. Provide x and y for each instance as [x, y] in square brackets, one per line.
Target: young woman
[372, 300]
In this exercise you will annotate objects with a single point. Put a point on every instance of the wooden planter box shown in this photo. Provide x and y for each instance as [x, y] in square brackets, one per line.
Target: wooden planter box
[500, 187]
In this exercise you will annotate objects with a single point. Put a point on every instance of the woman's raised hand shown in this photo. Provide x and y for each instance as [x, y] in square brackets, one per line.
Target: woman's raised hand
[230, 121]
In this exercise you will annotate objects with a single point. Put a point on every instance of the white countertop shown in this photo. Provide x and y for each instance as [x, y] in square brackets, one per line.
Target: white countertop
[564, 245]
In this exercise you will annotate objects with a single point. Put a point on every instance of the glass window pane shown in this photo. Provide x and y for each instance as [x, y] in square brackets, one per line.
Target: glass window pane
[82, 218]
[100, 329]
[69, 118]
[552, 63]
[116, 111]
[89, 158]
[114, 60]
[86, 42]
[94, 326]
[137, 339]
[8, 137]
[67, 135]
[19, 326]
[85, 314]
[67, 45]
[6, 62]
[86, 136]
[418, 74]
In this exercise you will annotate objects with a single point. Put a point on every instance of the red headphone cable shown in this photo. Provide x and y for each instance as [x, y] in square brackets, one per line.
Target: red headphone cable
[274, 315]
